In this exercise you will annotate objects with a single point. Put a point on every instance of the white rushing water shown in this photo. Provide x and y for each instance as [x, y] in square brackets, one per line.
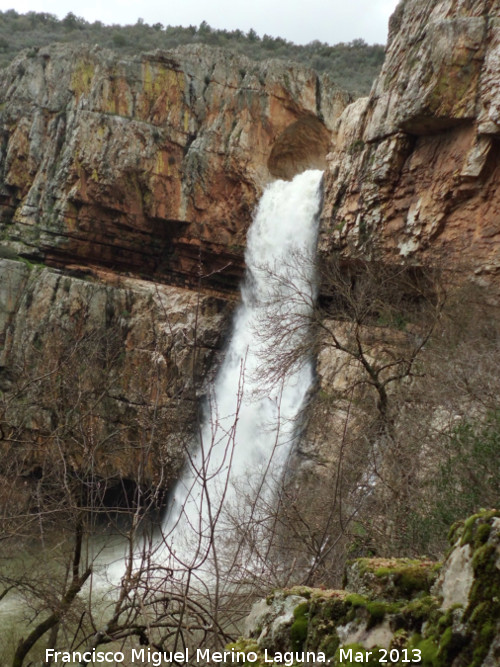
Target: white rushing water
[252, 416]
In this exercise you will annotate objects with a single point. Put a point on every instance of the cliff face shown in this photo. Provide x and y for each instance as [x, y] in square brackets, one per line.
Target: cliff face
[104, 373]
[151, 165]
[411, 195]
[414, 172]
[124, 181]
[149, 168]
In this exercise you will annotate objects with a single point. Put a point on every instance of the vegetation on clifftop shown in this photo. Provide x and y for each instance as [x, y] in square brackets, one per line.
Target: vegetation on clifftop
[353, 65]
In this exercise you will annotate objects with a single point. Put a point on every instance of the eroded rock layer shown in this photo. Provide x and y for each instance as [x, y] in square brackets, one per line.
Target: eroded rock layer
[103, 373]
[130, 183]
[392, 610]
[414, 173]
[150, 165]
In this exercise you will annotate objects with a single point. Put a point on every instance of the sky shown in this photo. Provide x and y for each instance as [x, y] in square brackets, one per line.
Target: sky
[300, 21]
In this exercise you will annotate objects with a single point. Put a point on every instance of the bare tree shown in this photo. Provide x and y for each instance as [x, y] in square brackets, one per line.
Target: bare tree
[368, 326]
[160, 595]
[385, 330]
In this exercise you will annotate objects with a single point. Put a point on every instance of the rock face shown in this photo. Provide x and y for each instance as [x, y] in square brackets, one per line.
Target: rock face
[132, 179]
[149, 168]
[151, 165]
[414, 172]
[394, 610]
[109, 365]
[413, 181]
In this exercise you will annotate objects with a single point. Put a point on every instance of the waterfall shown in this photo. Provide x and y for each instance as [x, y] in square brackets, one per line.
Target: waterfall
[252, 411]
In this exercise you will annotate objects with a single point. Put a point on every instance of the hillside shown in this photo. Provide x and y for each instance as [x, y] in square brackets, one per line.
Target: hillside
[353, 66]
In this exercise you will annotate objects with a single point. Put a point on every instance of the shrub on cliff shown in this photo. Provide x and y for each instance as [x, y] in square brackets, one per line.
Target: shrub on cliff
[353, 65]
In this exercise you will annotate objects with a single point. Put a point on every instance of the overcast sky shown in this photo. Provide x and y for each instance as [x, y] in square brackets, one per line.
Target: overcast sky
[300, 21]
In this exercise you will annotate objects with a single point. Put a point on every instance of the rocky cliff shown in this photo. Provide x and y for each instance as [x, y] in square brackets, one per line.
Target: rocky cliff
[411, 196]
[414, 173]
[126, 189]
[105, 371]
[121, 174]
[151, 165]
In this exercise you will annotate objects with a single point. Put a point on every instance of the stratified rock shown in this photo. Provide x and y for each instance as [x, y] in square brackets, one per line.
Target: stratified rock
[152, 164]
[107, 369]
[415, 170]
[120, 173]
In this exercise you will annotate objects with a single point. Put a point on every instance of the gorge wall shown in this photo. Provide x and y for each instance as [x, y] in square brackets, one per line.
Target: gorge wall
[414, 173]
[152, 165]
[412, 183]
[110, 368]
[127, 181]
[126, 190]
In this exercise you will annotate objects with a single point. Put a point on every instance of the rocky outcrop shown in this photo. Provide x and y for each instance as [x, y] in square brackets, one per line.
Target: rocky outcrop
[107, 369]
[412, 181]
[414, 173]
[393, 610]
[149, 168]
[151, 165]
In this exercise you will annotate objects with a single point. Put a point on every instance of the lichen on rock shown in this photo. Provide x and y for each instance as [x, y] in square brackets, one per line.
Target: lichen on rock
[414, 171]
[152, 164]
[397, 605]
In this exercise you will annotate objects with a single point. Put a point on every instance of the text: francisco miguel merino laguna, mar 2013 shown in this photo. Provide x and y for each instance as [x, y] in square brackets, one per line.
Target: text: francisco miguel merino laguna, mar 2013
[147, 656]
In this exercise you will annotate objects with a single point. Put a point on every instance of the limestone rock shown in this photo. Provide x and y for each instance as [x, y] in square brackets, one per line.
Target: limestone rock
[133, 178]
[394, 609]
[114, 366]
[414, 173]
[151, 164]
[390, 578]
[270, 621]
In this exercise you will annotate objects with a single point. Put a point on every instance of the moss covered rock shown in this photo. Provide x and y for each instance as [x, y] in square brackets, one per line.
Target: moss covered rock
[395, 611]
[391, 578]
